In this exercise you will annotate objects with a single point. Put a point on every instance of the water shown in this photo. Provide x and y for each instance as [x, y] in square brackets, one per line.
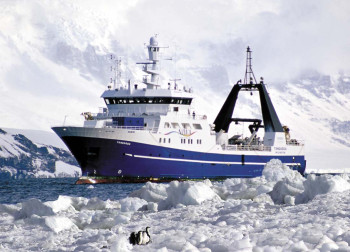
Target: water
[15, 191]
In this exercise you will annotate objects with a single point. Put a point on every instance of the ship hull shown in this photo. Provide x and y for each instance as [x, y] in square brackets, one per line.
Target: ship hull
[113, 160]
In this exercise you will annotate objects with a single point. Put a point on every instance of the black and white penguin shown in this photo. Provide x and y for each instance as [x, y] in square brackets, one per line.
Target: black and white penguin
[144, 237]
[141, 237]
[133, 238]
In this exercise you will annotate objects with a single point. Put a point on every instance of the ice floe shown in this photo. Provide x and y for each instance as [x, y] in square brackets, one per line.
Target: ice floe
[280, 211]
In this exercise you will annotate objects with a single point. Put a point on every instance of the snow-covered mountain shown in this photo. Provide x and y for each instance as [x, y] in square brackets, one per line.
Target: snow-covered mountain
[55, 61]
[20, 157]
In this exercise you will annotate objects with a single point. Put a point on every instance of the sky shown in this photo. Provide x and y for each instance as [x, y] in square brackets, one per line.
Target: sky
[291, 35]
[294, 35]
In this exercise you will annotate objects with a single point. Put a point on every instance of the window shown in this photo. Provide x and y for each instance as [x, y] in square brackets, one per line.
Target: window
[169, 140]
[197, 126]
[160, 140]
[164, 140]
[176, 109]
[175, 125]
[186, 125]
[166, 125]
[158, 100]
[186, 101]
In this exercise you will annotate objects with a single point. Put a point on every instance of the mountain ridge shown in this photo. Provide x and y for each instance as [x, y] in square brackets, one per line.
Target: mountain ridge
[20, 158]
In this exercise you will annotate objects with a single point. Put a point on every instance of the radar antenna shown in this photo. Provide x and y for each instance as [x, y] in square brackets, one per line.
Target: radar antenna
[249, 75]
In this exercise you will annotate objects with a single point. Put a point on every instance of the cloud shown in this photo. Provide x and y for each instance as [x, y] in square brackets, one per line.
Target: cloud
[286, 36]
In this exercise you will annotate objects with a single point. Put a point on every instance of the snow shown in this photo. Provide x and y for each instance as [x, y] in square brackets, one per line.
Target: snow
[9, 171]
[7, 148]
[39, 137]
[324, 184]
[280, 211]
[66, 170]
[58, 223]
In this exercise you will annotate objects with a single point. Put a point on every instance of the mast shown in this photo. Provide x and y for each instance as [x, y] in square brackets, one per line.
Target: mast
[249, 75]
[152, 67]
[270, 118]
[116, 73]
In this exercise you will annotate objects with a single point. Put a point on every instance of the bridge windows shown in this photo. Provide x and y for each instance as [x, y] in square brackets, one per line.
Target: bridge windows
[148, 100]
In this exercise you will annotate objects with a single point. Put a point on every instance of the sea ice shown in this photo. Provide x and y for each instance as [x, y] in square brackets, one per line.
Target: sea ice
[61, 204]
[121, 245]
[151, 192]
[276, 171]
[315, 185]
[131, 204]
[186, 193]
[34, 207]
[280, 211]
[58, 223]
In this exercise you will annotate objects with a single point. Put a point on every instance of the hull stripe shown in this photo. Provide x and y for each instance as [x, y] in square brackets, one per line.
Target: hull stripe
[201, 161]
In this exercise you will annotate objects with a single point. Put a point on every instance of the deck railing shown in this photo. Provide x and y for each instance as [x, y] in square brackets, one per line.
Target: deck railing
[247, 147]
[109, 115]
[154, 129]
[113, 126]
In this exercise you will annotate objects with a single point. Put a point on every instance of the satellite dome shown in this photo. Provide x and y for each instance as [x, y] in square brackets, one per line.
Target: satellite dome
[153, 41]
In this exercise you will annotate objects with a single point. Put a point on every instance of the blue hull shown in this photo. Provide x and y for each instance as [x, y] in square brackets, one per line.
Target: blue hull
[112, 158]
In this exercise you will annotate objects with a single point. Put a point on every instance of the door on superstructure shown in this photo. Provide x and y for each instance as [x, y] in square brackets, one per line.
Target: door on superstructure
[156, 125]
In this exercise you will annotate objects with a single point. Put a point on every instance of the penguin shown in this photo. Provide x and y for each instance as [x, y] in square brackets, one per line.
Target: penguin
[144, 237]
[133, 238]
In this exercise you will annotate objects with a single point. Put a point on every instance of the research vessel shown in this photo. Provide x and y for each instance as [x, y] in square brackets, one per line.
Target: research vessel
[152, 132]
